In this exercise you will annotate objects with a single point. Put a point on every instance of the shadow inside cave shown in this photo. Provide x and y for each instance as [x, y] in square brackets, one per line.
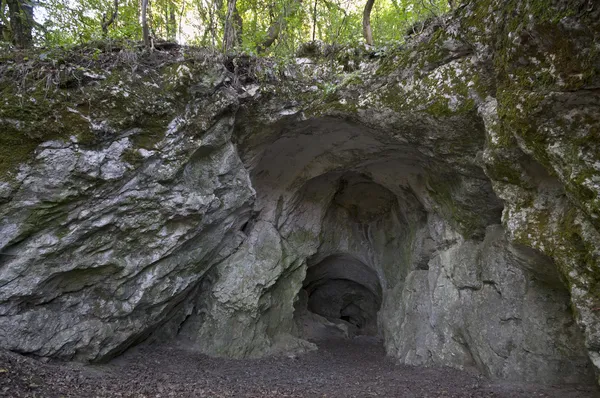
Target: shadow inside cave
[341, 297]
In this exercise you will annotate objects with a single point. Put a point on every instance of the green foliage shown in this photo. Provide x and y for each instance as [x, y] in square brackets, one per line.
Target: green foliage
[68, 22]
[201, 22]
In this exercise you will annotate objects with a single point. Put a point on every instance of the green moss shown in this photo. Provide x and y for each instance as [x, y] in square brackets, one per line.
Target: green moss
[47, 214]
[352, 79]
[440, 108]
[519, 112]
[425, 55]
[432, 93]
[561, 237]
[574, 250]
[531, 116]
[464, 219]
[538, 52]
[15, 148]
[29, 117]
[334, 107]
[505, 170]
[132, 156]
[39, 106]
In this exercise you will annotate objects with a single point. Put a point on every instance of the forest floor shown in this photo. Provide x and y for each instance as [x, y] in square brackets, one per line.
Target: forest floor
[340, 368]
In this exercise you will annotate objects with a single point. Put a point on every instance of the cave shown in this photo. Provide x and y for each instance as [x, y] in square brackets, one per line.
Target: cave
[428, 199]
[385, 240]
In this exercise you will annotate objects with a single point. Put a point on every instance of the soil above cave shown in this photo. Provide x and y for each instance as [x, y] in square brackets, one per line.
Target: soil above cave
[340, 368]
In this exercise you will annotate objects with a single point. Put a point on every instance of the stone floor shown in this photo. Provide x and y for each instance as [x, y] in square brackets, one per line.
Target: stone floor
[340, 368]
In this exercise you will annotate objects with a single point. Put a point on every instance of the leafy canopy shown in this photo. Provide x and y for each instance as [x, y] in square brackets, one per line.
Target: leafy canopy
[202, 22]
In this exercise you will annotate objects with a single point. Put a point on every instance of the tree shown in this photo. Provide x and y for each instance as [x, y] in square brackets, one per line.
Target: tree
[4, 23]
[229, 34]
[279, 24]
[145, 28]
[239, 25]
[276, 26]
[163, 18]
[20, 13]
[108, 20]
[314, 21]
[367, 32]
[170, 21]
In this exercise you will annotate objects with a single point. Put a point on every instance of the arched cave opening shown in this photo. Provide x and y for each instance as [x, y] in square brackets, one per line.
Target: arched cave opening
[400, 237]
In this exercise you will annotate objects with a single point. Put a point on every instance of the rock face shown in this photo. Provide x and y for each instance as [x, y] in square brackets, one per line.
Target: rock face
[444, 196]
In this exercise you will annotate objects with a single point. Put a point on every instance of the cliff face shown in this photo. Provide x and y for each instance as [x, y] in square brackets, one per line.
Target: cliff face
[444, 195]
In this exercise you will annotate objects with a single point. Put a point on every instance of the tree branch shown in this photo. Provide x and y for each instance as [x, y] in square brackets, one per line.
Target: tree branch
[106, 23]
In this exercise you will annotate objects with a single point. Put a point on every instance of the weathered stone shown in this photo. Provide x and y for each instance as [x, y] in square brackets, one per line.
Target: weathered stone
[444, 197]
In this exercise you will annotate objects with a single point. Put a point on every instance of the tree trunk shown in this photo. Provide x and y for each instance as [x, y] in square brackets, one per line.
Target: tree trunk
[107, 22]
[229, 39]
[272, 35]
[145, 29]
[172, 33]
[279, 25]
[239, 26]
[166, 20]
[4, 23]
[367, 32]
[21, 22]
[180, 26]
[314, 31]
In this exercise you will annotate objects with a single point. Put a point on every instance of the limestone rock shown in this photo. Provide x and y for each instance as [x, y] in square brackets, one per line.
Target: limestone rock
[443, 196]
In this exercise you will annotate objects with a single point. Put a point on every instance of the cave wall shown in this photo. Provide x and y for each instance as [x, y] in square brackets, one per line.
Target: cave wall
[192, 201]
[488, 305]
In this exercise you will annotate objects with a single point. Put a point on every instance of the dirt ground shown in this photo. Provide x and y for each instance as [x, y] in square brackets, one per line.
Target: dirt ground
[340, 368]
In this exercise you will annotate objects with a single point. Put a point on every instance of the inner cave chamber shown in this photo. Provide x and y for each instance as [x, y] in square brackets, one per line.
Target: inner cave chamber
[399, 235]
[343, 288]
[344, 291]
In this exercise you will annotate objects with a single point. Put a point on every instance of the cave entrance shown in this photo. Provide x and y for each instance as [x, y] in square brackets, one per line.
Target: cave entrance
[340, 297]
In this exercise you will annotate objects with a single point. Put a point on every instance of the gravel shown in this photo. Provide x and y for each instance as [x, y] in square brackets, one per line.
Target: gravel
[340, 368]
